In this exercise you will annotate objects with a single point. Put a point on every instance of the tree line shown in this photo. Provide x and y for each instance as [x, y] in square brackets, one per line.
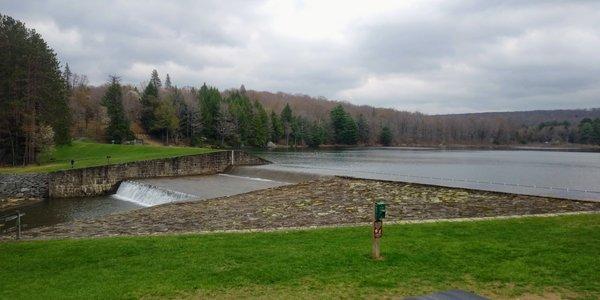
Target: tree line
[225, 119]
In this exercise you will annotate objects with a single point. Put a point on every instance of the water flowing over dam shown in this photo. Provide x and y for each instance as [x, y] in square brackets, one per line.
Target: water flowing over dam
[155, 191]
[148, 195]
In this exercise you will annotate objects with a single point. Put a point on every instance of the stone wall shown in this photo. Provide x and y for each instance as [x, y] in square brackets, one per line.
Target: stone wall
[23, 185]
[100, 180]
[105, 179]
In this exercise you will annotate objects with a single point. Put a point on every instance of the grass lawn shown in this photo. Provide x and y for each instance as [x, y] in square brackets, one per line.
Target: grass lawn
[88, 154]
[503, 258]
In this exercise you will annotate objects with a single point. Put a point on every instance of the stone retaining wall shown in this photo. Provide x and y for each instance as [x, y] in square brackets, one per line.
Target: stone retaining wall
[23, 185]
[100, 180]
[104, 179]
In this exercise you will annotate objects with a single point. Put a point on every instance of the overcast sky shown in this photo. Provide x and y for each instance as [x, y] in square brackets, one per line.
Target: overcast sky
[428, 56]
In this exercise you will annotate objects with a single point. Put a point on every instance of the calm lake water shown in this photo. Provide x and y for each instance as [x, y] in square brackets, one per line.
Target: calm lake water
[547, 173]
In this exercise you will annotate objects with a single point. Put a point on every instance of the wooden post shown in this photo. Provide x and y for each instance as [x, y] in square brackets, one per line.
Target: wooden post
[232, 157]
[376, 250]
[18, 225]
[377, 233]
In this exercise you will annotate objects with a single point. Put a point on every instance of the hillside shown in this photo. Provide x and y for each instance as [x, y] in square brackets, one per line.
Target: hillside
[408, 128]
[414, 128]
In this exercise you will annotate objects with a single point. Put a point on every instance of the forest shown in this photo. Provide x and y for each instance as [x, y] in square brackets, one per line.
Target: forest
[44, 104]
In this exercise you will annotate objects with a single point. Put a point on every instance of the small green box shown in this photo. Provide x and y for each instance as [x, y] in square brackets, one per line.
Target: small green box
[379, 211]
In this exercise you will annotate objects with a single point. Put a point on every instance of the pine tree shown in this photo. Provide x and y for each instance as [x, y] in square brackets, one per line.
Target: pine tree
[118, 128]
[286, 114]
[150, 102]
[68, 75]
[287, 118]
[167, 81]
[242, 111]
[315, 135]
[350, 133]
[385, 136]
[155, 80]
[261, 126]
[345, 130]
[276, 127]
[209, 101]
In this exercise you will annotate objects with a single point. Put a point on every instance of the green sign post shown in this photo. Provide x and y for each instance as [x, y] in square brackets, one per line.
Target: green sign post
[378, 215]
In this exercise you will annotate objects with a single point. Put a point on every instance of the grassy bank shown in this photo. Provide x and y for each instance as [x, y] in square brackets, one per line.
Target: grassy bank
[503, 258]
[88, 154]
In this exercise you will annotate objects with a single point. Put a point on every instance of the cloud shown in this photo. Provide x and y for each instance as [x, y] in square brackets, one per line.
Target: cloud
[430, 56]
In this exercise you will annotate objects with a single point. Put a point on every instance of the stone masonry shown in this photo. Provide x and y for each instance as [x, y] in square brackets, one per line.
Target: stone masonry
[100, 180]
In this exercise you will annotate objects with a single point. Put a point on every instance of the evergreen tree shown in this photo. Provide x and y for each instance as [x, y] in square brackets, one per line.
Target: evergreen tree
[150, 101]
[315, 135]
[242, 111]
[338, 121]
[261, 126]
[209, 101]
[286, 119]
[350, 131]
[155, 80]
[286, 114]
[276, 127]
[298, 127]
[589, 131]
[68, 75]
[345, 130]
[118, 127]
[167, 81]
[385, 137]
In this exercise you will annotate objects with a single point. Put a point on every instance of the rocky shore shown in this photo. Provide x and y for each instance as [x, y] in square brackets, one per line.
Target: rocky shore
[324, 202]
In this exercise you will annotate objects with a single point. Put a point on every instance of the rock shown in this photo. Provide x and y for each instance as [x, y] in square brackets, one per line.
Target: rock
[271, 145]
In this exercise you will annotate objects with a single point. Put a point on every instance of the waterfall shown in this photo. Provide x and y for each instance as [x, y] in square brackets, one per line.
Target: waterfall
[147, 194]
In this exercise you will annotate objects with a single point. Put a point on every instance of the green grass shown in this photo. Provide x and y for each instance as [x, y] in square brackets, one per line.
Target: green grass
[502, 258]
[88, 154]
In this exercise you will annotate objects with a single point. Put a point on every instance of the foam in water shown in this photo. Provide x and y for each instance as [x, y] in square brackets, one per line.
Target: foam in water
[147, 194]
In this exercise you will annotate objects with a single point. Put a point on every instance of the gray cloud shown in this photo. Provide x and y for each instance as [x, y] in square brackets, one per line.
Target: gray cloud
[435, 57]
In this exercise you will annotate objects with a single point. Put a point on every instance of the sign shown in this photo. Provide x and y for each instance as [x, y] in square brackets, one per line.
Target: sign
[377, 229]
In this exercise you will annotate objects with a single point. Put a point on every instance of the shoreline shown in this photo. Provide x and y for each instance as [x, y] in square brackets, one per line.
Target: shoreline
[533, 147]
[316, 203]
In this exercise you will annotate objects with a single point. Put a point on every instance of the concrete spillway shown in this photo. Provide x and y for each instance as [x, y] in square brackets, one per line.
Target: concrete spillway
[134, 194]
[155, 191]
[148, 195]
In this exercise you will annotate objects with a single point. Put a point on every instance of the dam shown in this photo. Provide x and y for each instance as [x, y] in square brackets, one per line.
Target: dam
[139, 193]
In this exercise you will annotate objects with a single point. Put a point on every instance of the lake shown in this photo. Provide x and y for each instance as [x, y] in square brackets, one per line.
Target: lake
[566, 174]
